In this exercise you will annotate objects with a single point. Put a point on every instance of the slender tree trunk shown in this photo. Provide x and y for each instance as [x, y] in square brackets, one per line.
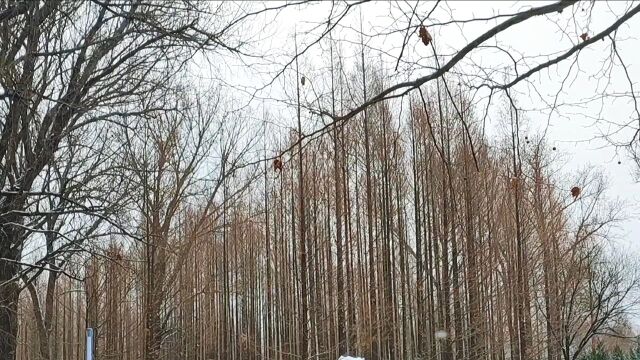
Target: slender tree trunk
[521, 291]
[304, 330]
[268, 305]
[475, 350]
[418, 239]
[337, 165]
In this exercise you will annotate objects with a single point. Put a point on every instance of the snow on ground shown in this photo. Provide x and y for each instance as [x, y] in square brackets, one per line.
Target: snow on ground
[350, 358]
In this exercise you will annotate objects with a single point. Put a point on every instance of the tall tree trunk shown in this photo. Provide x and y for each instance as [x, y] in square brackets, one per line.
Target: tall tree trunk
[267, 325]
[521, 290]
[337, 166]
[389, 325]
[418, 239]
[304, 330]
[475, 350]
[373, 351]
[447, 353]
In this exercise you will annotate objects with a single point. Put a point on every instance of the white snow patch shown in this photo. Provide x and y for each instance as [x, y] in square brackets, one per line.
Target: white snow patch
[350, 358]
[441, 334]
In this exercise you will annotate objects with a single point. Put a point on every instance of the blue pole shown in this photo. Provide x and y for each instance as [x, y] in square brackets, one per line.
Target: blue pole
[89, 344]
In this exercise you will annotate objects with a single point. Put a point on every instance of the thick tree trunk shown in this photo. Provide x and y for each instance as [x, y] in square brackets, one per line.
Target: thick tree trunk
[43, 337]
[153, 341]
[9, 290]
[155, 295]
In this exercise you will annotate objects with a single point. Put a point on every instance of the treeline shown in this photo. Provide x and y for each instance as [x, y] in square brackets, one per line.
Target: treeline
[600, 353]
[401, 234]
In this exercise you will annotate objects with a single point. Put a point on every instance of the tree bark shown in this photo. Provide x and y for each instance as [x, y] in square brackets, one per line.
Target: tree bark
[9, 289]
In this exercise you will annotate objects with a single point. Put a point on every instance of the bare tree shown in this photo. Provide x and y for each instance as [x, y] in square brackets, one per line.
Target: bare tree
[80, 194]
[407, 234]
[486, 65]
[169, 158]
[72, 65]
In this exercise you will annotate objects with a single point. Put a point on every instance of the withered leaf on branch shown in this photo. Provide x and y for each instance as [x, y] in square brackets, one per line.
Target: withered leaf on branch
[424, 35]
[277, 165]
[575, 192]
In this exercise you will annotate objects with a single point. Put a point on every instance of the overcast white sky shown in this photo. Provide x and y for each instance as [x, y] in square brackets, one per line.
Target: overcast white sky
[574, 128]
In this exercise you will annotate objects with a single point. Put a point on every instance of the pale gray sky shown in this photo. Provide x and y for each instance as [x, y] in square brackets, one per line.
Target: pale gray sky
[581, 118]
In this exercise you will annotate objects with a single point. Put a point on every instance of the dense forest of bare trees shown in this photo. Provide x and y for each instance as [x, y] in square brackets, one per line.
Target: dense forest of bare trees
[403, 231]
[382, 221]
